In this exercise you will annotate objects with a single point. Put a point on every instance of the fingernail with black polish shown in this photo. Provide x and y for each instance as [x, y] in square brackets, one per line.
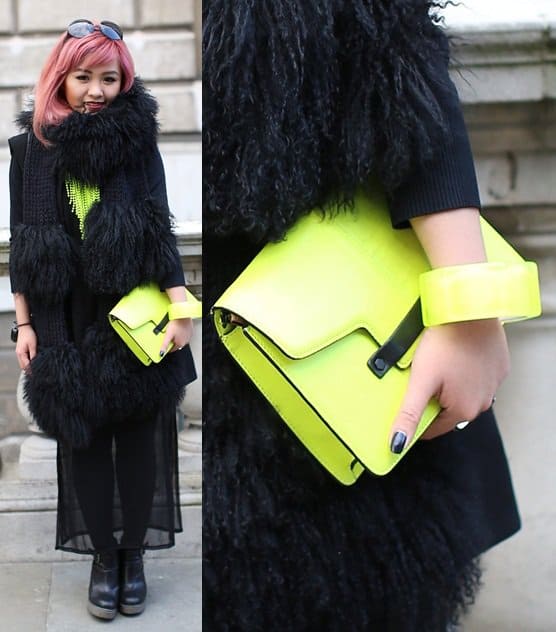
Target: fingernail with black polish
[398, 442]
[161, 353]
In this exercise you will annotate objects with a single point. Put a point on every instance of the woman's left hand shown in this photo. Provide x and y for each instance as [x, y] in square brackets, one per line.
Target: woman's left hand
[179, 332]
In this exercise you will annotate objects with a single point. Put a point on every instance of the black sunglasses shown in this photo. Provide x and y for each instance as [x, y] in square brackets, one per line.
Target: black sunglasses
[82, 28]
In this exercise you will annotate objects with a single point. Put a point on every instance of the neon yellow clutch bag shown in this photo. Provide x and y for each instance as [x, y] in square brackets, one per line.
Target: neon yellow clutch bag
[140, 319]
[325, 323]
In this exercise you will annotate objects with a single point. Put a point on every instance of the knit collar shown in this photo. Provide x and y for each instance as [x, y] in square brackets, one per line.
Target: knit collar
[92, 147]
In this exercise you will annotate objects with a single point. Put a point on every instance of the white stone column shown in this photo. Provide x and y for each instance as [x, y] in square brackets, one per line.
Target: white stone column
[37, 456]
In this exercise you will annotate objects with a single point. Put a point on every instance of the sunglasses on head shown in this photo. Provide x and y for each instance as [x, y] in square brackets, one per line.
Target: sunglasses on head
[82, 28]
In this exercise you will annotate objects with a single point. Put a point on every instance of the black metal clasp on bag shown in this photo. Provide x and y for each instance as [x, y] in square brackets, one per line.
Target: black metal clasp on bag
[399, 342]
[158, 329]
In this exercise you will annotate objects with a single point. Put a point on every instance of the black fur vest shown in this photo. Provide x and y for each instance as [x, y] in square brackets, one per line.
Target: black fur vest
[305, 101]
[128, 240]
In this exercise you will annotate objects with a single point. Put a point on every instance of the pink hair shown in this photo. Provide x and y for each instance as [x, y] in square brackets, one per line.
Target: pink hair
[69, 52]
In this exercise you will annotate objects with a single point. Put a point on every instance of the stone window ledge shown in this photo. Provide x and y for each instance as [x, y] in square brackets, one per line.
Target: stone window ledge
[504, 52]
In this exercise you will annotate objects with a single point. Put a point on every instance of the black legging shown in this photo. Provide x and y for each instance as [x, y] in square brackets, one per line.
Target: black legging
[133, 465]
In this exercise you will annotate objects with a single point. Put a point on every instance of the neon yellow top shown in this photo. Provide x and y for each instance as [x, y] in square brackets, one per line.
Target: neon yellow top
[81, 198]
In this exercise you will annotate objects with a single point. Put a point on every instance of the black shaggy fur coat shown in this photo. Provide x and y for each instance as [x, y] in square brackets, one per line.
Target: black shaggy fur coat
[303, 102]
[83, 375]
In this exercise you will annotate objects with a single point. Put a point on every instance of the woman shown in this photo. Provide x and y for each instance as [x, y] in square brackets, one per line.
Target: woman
[90, 222]
[305, 103]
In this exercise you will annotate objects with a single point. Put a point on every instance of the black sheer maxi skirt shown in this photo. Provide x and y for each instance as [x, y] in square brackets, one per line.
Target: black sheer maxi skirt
[133, 484]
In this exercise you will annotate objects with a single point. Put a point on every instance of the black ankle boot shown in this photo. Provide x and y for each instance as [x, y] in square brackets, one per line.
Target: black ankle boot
[104, 585]
[133, 589]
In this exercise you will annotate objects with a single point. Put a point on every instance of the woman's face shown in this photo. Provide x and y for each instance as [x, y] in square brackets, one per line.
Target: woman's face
[90, 88]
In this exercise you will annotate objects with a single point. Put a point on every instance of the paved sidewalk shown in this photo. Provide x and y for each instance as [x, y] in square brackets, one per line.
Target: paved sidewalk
[52, 597]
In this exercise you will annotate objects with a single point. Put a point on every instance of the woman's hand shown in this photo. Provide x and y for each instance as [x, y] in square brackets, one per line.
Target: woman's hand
[461, 365]
[179, 332]
[26, 346]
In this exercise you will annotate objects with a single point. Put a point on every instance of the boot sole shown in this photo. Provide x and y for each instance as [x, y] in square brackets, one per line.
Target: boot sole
[101, 613]
[136, 609]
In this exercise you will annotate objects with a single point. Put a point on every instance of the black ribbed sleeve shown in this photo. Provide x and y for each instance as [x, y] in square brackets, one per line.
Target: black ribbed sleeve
[157, 188]
[446, 182]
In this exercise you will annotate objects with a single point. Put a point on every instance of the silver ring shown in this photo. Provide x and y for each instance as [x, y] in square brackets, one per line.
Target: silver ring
[461, 425]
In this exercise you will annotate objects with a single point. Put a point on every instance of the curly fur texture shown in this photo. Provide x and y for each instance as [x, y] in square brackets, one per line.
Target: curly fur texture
[86, 145]
[71, 391]
[118, 386]
[110, 230]
[54, 392]
[42, 262]
[160, 248]
[142, 228]
[305, 101]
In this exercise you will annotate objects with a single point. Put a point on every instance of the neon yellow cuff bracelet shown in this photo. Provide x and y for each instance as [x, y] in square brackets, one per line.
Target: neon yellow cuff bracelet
[185, 309]
[508, 291]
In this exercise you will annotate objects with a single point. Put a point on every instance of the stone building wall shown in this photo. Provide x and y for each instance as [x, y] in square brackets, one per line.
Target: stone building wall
[506, 77]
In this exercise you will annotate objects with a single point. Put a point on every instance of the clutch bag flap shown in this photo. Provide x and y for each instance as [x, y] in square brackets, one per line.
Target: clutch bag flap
[305, 294]
[144, 304]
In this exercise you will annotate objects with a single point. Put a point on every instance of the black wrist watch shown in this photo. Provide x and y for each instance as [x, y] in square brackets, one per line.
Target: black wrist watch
[15, 330]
